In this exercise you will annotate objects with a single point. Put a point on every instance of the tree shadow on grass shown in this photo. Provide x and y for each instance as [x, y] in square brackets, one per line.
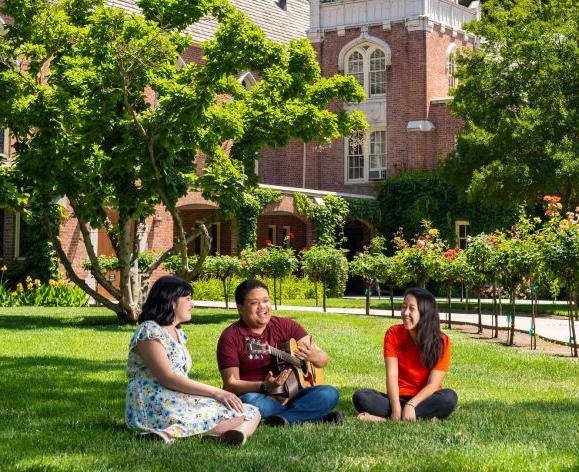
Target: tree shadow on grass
[21, 322]
[200, 317]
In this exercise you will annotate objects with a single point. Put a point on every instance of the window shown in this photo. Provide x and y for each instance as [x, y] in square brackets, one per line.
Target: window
[451, 69]
[2, 141]
[215, 233]
[462, 229]
[356, 156]
[377, 73]
[356, 67]
[20, 232]
[285, 236]
[367, 63]
[272, 234]
[366, 156]
[377, 154]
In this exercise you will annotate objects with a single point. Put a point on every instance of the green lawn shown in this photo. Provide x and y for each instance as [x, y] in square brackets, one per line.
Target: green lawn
[62, 391]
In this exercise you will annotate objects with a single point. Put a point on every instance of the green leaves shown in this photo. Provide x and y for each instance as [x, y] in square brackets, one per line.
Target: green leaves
[518, 95]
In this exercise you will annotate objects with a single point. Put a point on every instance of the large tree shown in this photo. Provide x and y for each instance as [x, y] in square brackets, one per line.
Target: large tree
[103, 114]
[518, 94]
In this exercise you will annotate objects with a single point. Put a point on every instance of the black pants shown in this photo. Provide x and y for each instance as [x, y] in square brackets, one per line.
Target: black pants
[438, 405]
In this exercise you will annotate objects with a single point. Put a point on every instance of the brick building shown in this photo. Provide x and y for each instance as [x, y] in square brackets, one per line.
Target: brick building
[400, 51]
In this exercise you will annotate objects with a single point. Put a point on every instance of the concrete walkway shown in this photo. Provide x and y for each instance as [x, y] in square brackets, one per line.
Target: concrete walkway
[555, 329]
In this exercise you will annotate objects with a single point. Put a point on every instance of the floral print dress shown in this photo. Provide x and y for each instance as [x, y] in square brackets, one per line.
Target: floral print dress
[150, 407]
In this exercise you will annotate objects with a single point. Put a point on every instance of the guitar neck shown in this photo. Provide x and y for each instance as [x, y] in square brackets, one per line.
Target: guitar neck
[285, 356]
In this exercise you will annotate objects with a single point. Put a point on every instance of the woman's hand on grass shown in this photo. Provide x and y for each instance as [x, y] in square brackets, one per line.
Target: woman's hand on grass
[230, 400]
[396, 414]
[408, 413]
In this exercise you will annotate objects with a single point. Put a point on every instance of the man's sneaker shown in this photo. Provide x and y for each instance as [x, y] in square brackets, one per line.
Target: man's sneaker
[276, 420]
[333, 417]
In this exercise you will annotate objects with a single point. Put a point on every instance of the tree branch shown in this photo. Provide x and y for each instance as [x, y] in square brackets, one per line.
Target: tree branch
[72, 274]
[169, 252]
[95, 269]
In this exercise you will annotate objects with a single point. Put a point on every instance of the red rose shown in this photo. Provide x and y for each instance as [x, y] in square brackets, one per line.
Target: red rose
[268, 242]
[292, 235]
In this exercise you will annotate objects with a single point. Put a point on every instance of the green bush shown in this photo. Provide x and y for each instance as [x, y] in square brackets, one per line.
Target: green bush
[408, 198]
[34, 293]
[292, 288]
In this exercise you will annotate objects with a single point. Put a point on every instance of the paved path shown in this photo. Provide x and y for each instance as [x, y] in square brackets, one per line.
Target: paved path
[556, 329]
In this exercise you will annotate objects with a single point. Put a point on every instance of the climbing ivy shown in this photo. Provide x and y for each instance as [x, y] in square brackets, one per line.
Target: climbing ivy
[365, 209]
[328, 219]
[252, 204]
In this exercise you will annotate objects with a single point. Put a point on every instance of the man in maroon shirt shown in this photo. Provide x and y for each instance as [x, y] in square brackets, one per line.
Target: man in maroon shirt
[251, 377]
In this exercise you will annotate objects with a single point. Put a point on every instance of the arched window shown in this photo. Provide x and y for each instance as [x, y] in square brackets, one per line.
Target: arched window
[367, 63]
[247, 80]
[451, 67]
[356, 67]
[377, 72]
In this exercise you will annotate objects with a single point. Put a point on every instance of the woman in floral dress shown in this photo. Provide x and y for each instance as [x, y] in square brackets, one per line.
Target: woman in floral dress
[161, 399]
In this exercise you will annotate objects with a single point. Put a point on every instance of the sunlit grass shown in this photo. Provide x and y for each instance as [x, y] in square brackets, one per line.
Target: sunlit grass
[62, 394]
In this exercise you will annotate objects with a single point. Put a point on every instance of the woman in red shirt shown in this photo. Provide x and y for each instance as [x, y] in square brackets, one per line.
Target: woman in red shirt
[417, 356]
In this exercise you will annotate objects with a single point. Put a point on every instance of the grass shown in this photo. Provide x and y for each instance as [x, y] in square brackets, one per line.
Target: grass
[62, 394]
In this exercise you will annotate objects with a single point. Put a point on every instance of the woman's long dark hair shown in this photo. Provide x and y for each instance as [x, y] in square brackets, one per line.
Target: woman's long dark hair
[428, 334]
[159, 304]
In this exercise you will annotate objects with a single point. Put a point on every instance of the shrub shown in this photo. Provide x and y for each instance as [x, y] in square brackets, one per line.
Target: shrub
[328, 266]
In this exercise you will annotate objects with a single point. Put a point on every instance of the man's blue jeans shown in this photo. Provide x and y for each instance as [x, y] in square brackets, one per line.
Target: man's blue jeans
[310, 404]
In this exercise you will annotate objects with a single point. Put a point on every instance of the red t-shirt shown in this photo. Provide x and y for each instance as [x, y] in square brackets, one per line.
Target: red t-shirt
[232, 346]
[412, 375]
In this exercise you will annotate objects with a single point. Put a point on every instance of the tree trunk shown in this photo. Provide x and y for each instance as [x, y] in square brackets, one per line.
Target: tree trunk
[533, 316]
[280, 289]
[449, 325]
[571, 314]
[467, 300]
[500, 314]
[324, 295]
[127, 300]
[368, 299]
[573, 318]
[495, 312]
[225, 297]
[274, 293]
[392, 299]
[479, 306]
[127, 316]
[511, 339]
[316, 292]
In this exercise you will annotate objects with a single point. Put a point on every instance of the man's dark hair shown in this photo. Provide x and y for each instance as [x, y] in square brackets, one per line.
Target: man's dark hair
[245, 287]
[159, 304]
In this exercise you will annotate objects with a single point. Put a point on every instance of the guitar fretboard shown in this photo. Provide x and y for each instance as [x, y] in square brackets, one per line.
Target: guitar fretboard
[284, 356]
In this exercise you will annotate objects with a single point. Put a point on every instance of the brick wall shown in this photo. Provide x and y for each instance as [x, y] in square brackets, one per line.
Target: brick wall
[416, 75]
[297, 226]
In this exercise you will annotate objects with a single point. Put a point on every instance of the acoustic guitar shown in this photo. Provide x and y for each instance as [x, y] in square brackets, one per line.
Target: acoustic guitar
[307, 374]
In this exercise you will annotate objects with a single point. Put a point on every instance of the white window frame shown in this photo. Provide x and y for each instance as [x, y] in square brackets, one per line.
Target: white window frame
[450, 67]
[287, 230]
[457, 225]
[366, 160]
[366, 50]
[273, 229]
